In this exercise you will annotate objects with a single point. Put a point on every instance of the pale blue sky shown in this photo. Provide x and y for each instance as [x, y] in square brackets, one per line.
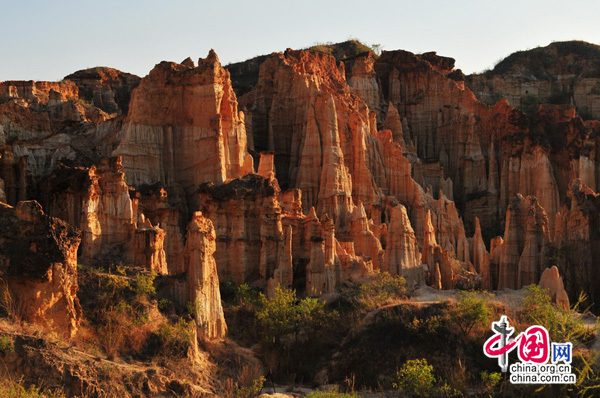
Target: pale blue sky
[46, 40]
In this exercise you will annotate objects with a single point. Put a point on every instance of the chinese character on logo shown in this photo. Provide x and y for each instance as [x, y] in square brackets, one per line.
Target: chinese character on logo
[561, 352]
[498, 346]
[535, 345]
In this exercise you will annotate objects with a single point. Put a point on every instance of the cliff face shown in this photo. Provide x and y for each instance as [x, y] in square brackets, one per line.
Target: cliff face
[111, 217]
[183, 127]
[483, 156]
[519, 259]
[371, 164]
[264, 238]
[43, 124]
[488, 154]
[106, 88]
[375, 167]
[36, 110]
[419, 202]
[38, 267]
[402, 256]
[249, 233]
[481, 257]
[560, 73]
[153, 203]
[303, 111]
[438, 121]
[363, 81]
[448, 129]
[13, 172]
[330, 149]
[97, 201]
[575, 237]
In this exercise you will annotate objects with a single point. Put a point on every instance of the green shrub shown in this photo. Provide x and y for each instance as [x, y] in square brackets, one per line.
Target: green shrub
[165, 304]
[447, 391]
[122, 270]
[295, 334]
[112, 289]
[246, 296]
[11, 388]
[277, 316]
[489, 380]
[415, 378]
[6, 345]
[175, 340]
[123, 329]
[144, 284]
[428, 326]
[563, 325]
[250, 391]
[284, 314]
[169, 341]
[383, 288]
[191, 309]
[471, 309]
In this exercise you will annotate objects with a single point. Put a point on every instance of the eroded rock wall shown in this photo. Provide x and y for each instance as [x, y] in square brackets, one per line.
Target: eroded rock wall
[98, 202]
[38, 267]
[183, 127]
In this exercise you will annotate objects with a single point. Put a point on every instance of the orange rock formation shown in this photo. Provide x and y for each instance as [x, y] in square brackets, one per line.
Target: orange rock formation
[552, 281]
[38, 267]
[183, 128]
[371, 164]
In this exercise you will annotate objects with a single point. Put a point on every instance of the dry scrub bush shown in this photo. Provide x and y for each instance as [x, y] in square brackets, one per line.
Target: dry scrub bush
[10, 387]
[122, 317]
[383, 289]
[9, 305]
[249, 384]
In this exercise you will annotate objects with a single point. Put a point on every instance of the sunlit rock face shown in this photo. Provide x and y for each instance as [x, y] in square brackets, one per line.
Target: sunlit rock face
[303, 111]
[331, 150]
[38, 266]
[363, 81]
[111, 217]
[365, 163]
[553, 283]
[519, 259]
[202, 279]
[560, 73]
[106, 88]
[490, 153]
[402, 256]
[183, 127]
[576, 240]
[97, 201]
[45, 123]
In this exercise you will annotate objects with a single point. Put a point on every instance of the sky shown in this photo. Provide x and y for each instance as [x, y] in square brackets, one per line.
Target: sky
[47, 40]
